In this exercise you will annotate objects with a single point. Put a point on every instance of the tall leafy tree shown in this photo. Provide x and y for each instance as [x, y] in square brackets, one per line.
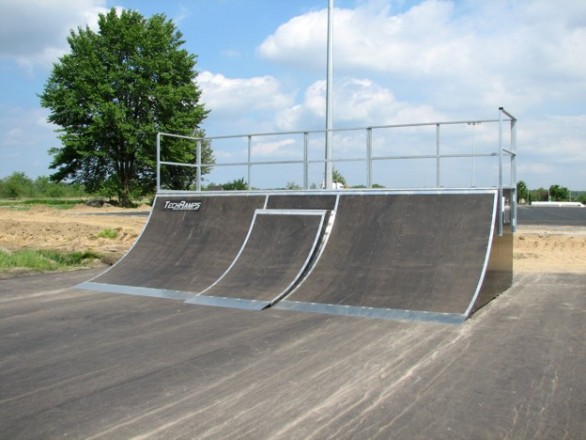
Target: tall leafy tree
[112, 93]
[522, 191]
[558, 193]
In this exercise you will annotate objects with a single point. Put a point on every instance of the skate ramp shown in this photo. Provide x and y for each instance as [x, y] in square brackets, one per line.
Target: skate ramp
[424, 255]
[272, 258]
[407, 256]
[187, 244]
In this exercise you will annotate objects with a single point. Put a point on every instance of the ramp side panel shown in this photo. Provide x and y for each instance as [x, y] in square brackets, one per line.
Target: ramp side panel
[186, 250]
[499, 272]
[399, 251]
[275, 255]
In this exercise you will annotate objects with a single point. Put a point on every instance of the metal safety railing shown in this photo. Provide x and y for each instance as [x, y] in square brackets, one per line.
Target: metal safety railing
[505, 150]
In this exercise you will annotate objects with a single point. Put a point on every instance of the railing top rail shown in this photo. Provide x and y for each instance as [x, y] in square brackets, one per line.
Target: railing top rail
[321, 131]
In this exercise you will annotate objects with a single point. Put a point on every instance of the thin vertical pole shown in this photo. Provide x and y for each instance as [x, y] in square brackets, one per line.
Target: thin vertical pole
[437, 156]
[158, 162]
[369, 157]
[514, 170]
[306, 160]
[501, 208]
[198, 163]
[249, 161]
[329, 118]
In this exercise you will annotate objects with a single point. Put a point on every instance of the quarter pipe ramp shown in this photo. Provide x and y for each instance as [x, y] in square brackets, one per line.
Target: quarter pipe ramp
[426, 255]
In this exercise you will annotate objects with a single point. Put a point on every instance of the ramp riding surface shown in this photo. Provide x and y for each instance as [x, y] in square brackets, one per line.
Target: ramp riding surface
[274, 255]
[399, 254]
[431, 255]
[183, 250]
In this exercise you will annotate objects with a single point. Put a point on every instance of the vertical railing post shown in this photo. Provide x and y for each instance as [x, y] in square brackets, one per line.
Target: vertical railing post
[514, 171]
[305, 160]
[158, 162]
[249, 161]
[437, 156]
[329, 96]
[501, 217]
[198, 163]
[369, 157]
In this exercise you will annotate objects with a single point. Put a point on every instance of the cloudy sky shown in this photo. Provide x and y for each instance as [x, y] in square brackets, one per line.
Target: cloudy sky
[261, 67]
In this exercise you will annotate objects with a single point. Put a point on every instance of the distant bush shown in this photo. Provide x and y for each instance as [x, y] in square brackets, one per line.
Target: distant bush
[235, 185]
[18, 186]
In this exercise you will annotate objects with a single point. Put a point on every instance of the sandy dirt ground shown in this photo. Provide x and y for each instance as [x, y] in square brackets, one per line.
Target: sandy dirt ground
[536, 249]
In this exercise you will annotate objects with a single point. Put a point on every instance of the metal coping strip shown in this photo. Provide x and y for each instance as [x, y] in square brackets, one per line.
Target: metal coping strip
[371, 312]
[487, 255]
[136, 291]
[232, 303]
[321, 192]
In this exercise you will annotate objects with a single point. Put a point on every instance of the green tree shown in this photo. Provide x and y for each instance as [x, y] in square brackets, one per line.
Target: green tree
[112, 93]
[337, 177]
[235, 185]
[522, 191]
[539, 195]
[558, 193]
[16, 185]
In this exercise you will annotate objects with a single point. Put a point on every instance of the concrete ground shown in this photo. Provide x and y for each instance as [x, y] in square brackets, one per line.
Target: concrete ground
[88, 365]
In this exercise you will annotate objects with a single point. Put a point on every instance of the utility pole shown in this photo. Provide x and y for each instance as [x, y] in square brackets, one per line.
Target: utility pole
[329, 118]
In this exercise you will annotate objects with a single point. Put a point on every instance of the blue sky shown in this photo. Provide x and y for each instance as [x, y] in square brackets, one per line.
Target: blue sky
[261, 67]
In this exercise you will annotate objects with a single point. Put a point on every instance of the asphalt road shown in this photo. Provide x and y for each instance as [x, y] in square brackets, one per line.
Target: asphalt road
[88, 365]
[551, 216]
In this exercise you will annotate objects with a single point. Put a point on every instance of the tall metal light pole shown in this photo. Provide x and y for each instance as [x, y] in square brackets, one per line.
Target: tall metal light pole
[329, 118]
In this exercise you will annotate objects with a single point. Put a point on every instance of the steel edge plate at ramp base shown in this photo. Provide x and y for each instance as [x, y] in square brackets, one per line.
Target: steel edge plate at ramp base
[136, 290]
[371, 312]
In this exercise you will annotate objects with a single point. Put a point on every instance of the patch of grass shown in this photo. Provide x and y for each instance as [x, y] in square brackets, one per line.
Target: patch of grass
[46, 260]
[25, 204]
[108, 233]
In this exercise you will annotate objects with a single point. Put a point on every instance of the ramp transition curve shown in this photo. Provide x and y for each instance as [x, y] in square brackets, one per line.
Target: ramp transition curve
[399, 255]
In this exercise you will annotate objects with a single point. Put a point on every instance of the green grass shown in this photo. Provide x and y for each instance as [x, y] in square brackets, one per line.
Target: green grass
[108, 233]
[46, 260]
[25, 204]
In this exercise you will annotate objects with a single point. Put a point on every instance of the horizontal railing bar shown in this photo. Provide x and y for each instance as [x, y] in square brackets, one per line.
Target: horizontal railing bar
[362, 159]
[177, 164]
[281, 133]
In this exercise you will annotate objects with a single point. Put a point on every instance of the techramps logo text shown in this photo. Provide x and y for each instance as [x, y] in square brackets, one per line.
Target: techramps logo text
[182, 206]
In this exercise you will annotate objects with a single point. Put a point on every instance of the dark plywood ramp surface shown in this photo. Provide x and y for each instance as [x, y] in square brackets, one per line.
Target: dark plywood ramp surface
[302, 201]
[424, 252]
[424, 255]
[275, 254]
[184, 249]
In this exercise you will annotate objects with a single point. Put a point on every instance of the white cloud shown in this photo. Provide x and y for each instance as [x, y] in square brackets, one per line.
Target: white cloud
[462, 54]
[238, 95]
[33, 32]
[356, 102]
[273, 148]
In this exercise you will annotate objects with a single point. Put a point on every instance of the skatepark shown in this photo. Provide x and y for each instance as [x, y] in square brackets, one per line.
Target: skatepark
[321, 314]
